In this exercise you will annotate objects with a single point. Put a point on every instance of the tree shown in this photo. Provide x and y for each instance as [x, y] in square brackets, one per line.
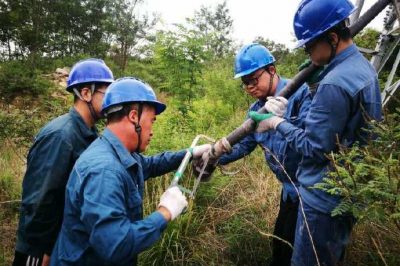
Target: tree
[127, 29]
[38, 28]
[216, 27]
[287, 61]
[280, 51]
[7, 30]
[180, 56]
[367, 38]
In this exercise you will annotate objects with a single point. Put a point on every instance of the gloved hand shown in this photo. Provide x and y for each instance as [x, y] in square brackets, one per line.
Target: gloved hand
[210, 158]
[198, 151]
[265, 122]
[276, 105]
[198, 164]
[174, 201]
[315, 77]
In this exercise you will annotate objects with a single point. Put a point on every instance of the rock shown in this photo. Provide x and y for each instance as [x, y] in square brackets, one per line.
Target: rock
[62, 72]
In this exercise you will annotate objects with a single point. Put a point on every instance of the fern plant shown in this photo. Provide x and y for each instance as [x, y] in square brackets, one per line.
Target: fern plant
[368, 177]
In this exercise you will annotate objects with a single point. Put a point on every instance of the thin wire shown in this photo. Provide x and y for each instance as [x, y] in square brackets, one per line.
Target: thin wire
[10, 201]
[300, 200]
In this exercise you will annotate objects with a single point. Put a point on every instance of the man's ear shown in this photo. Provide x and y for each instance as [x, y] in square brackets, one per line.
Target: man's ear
[333, 38]
[133, 116]
[86, 94]
[272, 70]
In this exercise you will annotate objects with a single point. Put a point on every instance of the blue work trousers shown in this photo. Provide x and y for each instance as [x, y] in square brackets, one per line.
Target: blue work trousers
[330, 236]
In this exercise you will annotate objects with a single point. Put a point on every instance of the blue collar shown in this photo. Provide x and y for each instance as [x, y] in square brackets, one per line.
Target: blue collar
[124, 156]
[83, 128]
[340, 57]
[281, 84]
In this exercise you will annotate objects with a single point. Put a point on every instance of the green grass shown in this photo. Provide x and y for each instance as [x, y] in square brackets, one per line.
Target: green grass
[11, 169]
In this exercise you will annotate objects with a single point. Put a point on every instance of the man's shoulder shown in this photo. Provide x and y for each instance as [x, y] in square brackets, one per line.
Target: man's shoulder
[351, 76]
[352, 69]
[301, 93]
[99, 155]
[62, 127]
[95, 166]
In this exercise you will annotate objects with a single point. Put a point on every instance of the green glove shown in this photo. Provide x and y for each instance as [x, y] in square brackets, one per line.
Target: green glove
[265, 122]
[315, 77]
[257, 117]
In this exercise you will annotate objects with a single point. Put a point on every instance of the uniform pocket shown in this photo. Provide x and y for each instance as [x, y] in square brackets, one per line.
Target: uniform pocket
[135, 206]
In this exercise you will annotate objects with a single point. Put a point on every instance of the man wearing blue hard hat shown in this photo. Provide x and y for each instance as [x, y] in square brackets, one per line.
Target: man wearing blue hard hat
[50, 161]
[347, 97]
[103, 218]
[254, 64]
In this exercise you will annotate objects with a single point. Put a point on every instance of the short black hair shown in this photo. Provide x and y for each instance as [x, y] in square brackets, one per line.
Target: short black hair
[118, 115]
[267, 66]
[341, 29]
[126, 108]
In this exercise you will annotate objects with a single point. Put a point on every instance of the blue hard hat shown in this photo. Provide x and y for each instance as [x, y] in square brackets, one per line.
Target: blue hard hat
[89, 71]
[250, 58]
[314, 17]
[130, 89]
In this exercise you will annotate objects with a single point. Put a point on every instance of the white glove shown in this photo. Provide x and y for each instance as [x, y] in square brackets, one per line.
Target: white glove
[174, 201]
[198, 151]
[268, 124]
[276, 105]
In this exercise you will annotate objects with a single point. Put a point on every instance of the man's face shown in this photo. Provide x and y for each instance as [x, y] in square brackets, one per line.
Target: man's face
[257, 84]
[97, 99]
[319, 51]
[147, 120]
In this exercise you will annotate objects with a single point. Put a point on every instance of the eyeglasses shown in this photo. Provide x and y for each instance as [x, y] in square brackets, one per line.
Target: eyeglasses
[251, 81]
[102, 92]
[310, 45]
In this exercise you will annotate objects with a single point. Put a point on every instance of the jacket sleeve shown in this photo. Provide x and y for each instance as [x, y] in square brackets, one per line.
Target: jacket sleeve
[104, 214]
[324, 123]
[161, 163]
[49, 164]
[239, 150]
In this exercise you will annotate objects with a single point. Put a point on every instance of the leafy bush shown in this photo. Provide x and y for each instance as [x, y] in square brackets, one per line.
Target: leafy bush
[19, 126]
[18, 78]
[368, 177]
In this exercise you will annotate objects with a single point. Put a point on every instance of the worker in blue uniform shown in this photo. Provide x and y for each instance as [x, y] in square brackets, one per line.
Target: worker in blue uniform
[51, 158]
[103, 218]
[347, 97]
[254, 64]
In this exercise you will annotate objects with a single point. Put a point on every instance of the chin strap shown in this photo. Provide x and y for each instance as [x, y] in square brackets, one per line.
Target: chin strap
[271, 80]
[333, 47]
[138, 128]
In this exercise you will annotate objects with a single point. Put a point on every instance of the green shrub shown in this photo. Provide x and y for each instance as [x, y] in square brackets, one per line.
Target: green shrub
[368, 177]
[18, 78]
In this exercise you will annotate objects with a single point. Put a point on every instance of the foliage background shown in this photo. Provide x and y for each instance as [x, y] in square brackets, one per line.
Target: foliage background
[191, 68]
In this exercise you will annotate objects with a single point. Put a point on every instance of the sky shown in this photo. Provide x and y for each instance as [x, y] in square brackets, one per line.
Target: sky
[272, 19]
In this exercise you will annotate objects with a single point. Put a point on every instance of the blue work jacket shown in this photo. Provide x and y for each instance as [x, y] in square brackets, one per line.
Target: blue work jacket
[49, 163]
[103, 218]
[348, 92]
[274, 144]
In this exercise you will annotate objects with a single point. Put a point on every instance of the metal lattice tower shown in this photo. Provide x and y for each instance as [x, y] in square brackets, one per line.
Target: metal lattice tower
[389, 40]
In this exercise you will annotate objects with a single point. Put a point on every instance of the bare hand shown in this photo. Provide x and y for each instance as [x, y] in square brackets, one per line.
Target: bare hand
[46, 260]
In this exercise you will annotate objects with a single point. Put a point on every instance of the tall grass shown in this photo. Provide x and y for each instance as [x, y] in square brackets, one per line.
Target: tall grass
[224, 224]
[11, 170]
